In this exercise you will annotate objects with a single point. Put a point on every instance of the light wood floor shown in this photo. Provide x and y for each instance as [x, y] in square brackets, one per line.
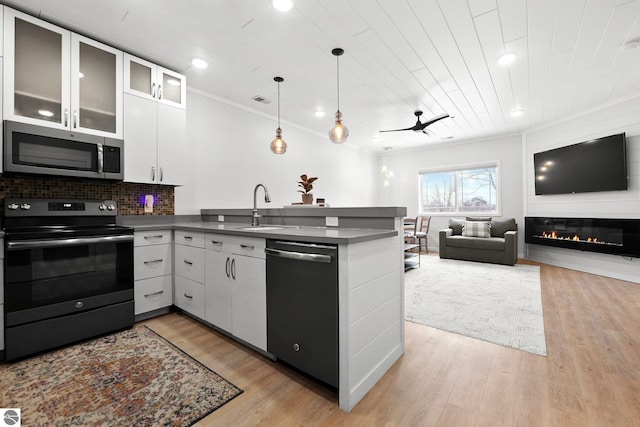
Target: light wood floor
[591, 376]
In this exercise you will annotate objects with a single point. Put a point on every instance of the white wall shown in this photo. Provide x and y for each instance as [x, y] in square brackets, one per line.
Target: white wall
[403, 188]
[611, 119]
[230, 155]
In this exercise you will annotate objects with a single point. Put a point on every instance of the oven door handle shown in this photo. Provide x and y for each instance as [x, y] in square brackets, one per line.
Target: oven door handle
[50, 243]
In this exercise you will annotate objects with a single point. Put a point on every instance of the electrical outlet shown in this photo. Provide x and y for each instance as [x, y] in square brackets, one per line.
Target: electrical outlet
[332, 221]
[220, 218]
[148, 203]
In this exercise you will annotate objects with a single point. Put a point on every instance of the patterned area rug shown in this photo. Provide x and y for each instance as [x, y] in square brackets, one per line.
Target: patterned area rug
[134, 377]
[496, 303]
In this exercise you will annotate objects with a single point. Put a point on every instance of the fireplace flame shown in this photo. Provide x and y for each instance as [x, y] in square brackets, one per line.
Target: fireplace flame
[575, 237]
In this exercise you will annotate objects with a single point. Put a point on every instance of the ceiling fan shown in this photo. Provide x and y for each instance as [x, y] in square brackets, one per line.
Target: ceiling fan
[419, 126]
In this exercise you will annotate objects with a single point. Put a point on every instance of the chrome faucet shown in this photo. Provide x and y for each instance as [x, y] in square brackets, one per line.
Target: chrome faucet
[255, 217]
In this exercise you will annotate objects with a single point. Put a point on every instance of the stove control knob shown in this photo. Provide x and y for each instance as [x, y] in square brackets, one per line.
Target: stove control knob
[25, 206]
[13, 206]
[111, 207]
[102, 207]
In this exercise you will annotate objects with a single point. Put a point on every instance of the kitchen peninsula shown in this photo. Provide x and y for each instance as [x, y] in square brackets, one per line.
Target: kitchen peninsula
[370, 268]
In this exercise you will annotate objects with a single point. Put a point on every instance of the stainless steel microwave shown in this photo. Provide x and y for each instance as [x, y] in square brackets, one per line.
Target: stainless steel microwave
[32, 149]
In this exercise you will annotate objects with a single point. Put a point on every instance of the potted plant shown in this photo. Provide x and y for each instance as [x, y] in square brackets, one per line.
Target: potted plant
[306, 183]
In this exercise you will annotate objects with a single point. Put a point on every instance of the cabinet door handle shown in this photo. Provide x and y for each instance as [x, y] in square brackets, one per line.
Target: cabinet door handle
[161, 174]
[153, 261]
[226, 267]
[75, 119]
[159, 91]
[188, 296]
[215, 242]
[233, 269]
[66, 117]
[188, 262]
[189, 238]
[153, 89]
[245, 246]
[153, 173]
[157, 236]
[153, 294]
[100, 158]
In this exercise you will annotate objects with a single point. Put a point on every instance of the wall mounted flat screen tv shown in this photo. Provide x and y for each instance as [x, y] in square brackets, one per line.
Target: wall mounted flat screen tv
[590, 166]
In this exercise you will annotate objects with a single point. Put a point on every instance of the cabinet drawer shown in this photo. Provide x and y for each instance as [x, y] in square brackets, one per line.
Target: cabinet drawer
[157, 237]
[152, 294]
[152, 261]
[189, 238]
[249, 246]
[189, 262]
[189, 296]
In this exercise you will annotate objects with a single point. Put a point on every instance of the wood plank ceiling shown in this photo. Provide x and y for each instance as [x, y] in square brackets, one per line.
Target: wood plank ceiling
[400, 55]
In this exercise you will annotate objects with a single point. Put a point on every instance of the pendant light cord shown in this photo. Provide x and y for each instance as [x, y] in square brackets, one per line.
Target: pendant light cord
[338, 78]
[278, 104]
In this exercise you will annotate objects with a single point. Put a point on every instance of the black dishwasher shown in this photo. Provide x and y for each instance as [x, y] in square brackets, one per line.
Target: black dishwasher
[302, 307]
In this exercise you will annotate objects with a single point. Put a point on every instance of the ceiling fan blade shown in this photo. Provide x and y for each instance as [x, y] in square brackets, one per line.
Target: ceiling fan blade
[433, 120]
[398, 130]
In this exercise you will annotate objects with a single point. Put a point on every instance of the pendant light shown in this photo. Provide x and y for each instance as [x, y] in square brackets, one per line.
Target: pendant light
[339, 132]
[278, 146]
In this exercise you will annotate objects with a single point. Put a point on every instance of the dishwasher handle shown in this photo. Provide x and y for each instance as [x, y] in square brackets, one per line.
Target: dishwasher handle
[300, 256]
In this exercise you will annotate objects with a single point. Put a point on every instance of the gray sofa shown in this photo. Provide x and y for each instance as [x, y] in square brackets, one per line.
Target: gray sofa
[480, 239]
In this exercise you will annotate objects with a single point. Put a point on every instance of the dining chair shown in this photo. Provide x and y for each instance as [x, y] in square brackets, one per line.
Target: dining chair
[422, 232]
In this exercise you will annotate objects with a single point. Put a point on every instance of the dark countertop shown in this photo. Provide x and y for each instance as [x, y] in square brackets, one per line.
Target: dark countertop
[314, 210]
[334, 235]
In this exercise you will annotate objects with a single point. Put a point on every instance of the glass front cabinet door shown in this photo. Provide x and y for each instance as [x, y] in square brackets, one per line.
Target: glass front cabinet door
[59, 79]
[151, 81]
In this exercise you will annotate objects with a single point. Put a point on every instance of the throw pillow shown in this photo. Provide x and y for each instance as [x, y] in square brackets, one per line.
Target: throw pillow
[456, 225]
[501, 226]
[476, 229]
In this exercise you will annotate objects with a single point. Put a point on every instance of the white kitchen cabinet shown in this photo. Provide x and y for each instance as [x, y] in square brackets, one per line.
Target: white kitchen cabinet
[153, 294]
[249, 300]
[235, 287]
[153, 270]
[154, 123]
[189, 293]
[152, 261]
[189, 262]
[155, 138]
[60, 79]
[218, 284]
[190, 296]
[153, 82]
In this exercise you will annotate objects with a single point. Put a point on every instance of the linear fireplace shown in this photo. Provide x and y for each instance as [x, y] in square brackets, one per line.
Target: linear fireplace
[604, 235]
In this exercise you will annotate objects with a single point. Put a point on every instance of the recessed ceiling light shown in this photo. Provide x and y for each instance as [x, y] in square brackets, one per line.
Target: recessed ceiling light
[517, 113]
[199, 63]
[45, 113]
[319, 113]
[506, 59]
[282, 5]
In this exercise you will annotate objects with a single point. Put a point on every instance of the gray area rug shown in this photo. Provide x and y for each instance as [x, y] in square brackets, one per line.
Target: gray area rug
[495, 303]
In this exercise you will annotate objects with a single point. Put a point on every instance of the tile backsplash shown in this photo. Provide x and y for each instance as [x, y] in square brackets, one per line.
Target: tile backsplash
[129, 196]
